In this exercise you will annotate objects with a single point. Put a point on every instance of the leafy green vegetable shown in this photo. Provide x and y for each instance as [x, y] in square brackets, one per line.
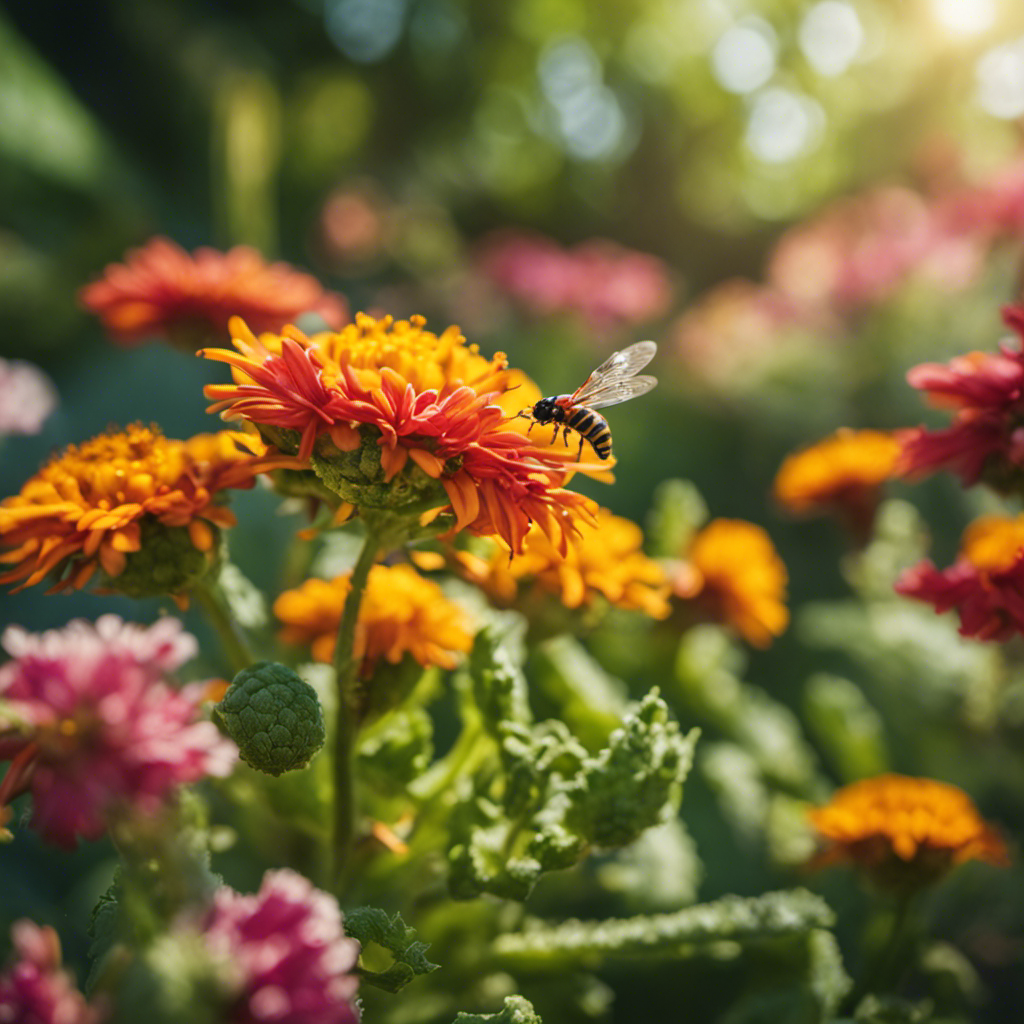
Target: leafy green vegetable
[368, 924]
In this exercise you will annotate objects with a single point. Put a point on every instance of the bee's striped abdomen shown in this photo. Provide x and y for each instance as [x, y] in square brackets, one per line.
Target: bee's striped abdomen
[594, 427]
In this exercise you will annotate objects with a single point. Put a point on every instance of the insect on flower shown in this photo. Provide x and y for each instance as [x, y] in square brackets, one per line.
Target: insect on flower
[614, 381]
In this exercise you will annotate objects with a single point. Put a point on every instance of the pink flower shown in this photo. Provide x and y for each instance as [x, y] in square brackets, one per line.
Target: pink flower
[27, 397]
[985, 390]
[89, 723]
[286, 953]
[603, 283]
[35, 989]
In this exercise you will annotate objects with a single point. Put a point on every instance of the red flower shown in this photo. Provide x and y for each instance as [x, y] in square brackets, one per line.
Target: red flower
[986, 393]
[160, 290]
[986, 583]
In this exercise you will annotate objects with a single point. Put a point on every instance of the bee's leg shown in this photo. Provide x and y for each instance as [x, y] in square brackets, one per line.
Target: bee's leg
[554, 436]
[579, 454]
[533, 423]
[565, 436]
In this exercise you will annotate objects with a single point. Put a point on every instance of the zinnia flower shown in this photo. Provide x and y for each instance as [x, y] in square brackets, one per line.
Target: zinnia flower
[366, 402]
[35, 988]
[605, 284]
[986, 583]
[27, 397]
[604, 561]
[734, 576]
[401, 613]
[140, 506]
[903, 831]
[90, 726]
[843, 474]
[986, 393]
[282, 954]
[160, 290]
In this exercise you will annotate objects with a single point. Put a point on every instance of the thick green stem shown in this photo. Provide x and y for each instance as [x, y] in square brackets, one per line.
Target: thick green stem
[893, 958]
[211, 600]
[346, 668]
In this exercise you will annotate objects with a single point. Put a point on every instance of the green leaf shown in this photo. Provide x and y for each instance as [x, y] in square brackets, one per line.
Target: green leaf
[104, 928]
[517, 1010]
[499, 688]
[732, 919]
[678, 512]
[368, 924]
[847, 726]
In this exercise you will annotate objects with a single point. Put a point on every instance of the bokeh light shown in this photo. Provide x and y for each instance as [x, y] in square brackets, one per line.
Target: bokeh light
[965, 17]
[1000, 80]
[783, 125]
[831, 36]
[744, 56]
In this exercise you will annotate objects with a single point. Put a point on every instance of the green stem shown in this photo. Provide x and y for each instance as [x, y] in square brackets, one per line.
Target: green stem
[346, 668]
[885, 970]
[212, 602]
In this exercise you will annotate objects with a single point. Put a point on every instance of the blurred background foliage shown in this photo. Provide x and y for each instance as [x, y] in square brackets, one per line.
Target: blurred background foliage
[379, 143]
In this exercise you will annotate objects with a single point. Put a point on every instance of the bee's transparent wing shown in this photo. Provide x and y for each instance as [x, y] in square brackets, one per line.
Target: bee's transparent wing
[617, 391]
[604, 385]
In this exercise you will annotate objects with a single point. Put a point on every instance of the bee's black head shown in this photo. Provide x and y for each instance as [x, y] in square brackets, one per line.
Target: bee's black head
[546, 410]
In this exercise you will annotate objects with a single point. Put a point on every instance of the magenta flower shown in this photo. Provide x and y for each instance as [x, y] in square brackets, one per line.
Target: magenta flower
[89, 723]
[35, 989]
[286, 952]
[27, 397]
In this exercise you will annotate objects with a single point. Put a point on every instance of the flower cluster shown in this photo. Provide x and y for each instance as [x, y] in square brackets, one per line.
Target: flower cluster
[283, 954]
[364, 403]
[141, 507]
[162, 291]
[903, 831]
[401, 613]
[35, 989]
[604, 561]
[90, 725]
[27, 397]
[603, 283]
[731, 573]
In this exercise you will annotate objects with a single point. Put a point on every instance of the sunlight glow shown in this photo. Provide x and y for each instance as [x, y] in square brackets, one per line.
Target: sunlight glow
[1000, 80]
[965, 17]
[831, 36]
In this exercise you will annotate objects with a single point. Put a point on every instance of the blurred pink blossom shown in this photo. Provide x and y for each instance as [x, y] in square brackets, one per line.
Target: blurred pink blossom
[286, 953]
[35, 989]
[27, 397]
[89, 722]
[605, 284]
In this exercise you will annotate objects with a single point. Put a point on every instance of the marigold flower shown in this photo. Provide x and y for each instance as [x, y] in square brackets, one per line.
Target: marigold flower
[401, 613]
[605, 560]
[140, 506]
[378, 397]
[160, 290]
[985, 391]
[282, 954]
[734, 574]
[27, 397]
[986, 583]
[89, 724]
[843, 473]
[904, 831]
[36, 989]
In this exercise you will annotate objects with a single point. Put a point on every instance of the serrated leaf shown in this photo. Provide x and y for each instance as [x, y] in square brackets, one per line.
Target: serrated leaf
[517, 1010]
[104, 925]
[369, 924]
[499, 688]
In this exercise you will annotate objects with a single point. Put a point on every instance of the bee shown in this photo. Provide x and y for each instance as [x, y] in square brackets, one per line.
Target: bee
[614, 381]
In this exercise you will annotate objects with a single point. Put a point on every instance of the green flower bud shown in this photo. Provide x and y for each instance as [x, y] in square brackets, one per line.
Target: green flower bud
[168, 562]
[274, 717]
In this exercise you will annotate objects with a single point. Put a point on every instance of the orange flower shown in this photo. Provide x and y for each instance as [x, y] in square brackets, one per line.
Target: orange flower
[401, 613]
[843, 473]
[903, 831]
[414, 398]
[161, 290]
[98, 505]
[736, 577]
[605, 560]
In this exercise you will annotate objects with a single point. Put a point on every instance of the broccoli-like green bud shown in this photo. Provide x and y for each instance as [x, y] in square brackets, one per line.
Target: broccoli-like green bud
[274, 717]
[516, 1010]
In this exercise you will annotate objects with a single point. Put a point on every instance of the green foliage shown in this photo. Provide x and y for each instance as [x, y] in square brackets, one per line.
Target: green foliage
[516, 1010]
[274, 717]
[397, 751]
[677, 514]
[732, 919]
[368, 924]
[847, 726]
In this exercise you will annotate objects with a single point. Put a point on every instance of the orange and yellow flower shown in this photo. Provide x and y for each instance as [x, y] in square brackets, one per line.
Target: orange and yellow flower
[735, 576]
[605, 560]
[904, 831]
[90, 507]
[401, 613]
[428, 400]
[160, 290]
[843, 473]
